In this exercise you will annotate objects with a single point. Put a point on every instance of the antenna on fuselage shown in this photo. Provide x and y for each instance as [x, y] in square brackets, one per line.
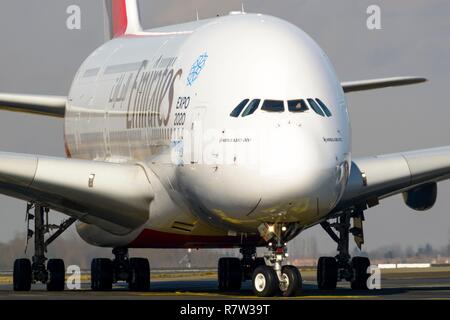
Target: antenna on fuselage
[196, 11]
[242, 7]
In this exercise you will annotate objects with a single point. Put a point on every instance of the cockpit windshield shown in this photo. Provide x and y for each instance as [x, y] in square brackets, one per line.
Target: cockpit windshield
[246, 108]
[273, 106]
[297, 105]
[324, 107]
[237, 111]
[315, 107]
[252, 106]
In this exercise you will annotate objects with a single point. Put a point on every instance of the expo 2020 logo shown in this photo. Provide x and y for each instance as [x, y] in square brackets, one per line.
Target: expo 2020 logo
[196, 68]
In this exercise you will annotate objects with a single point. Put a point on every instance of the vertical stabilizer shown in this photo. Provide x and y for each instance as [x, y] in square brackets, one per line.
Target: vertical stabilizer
[122, 18]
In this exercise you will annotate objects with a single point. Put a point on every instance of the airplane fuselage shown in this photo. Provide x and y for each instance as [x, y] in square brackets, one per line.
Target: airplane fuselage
[164, 99]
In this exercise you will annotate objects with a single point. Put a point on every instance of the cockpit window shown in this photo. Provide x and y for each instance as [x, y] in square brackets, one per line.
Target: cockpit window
[252, 106]
[237, 111]
[273, 106]
[315, 107]
[244, 108]
[324, 108]
[297, 105]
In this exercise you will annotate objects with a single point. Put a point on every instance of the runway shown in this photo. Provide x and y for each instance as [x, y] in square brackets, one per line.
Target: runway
[430, 283]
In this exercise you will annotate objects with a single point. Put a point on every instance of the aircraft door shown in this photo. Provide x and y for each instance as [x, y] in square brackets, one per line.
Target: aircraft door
[196, 133]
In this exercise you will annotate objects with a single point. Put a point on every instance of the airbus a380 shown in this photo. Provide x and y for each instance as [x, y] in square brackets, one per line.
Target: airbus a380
[231, 132]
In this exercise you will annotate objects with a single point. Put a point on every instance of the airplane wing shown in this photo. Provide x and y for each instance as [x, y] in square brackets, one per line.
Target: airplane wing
[378, 177]
[363, 85]
[53, 106]
[115, 197]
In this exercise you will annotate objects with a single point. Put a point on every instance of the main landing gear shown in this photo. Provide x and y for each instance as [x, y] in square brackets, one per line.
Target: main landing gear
[27, 272]
[104, 272]
[268, 275]
[330, 270]
[135, 271]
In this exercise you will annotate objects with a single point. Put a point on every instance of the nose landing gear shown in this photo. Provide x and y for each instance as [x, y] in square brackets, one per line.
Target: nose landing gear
[268, 275]
[268, 280]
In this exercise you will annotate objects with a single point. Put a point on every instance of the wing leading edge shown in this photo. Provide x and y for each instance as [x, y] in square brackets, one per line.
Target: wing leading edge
[378, 177]
[371, 84]
[115, 197]
[53, 106]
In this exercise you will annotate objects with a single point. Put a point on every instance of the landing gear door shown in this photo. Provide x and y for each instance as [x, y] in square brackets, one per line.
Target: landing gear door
[196, 146]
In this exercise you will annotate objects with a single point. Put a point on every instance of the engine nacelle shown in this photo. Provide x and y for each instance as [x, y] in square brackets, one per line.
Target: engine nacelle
[422, 197]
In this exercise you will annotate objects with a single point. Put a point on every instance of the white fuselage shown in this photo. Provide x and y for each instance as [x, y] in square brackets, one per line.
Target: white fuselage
[164, 99]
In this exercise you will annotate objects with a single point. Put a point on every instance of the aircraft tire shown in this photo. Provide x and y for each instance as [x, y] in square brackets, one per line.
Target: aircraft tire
[327, 272]
[265, 281]
[57, 273]
[229, 274]
[293, 287]
[139, 279]
[101, 274]
[22, 275]
[360, 275]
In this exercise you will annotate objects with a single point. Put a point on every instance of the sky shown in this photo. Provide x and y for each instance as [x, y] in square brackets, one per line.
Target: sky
[40, 55]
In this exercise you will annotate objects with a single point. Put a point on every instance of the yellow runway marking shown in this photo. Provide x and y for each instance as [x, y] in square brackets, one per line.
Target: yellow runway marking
[207, 294]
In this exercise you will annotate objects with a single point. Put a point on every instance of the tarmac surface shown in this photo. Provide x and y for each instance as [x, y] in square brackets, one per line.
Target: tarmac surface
[430, 283]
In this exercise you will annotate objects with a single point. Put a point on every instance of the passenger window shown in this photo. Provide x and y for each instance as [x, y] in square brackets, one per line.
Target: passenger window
[252, 106]
[297, 105]
[315, 107]
[324, 108]
[237, 111]
[273, 106]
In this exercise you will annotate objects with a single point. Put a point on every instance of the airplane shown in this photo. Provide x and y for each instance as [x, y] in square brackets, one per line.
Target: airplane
[230, 132]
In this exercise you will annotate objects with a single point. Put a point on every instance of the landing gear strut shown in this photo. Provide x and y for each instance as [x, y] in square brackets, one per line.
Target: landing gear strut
[268, 275]
[135, 271]
[27, 272]
[330, 270]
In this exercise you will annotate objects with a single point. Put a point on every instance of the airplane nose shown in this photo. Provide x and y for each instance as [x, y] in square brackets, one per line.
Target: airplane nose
[291, 173]
[295, 167]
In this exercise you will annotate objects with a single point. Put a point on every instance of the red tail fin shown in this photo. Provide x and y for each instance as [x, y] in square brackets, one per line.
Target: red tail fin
[119, 17]
[123, 17]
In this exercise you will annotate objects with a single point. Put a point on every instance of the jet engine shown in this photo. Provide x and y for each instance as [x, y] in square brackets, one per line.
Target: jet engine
[422, 197]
